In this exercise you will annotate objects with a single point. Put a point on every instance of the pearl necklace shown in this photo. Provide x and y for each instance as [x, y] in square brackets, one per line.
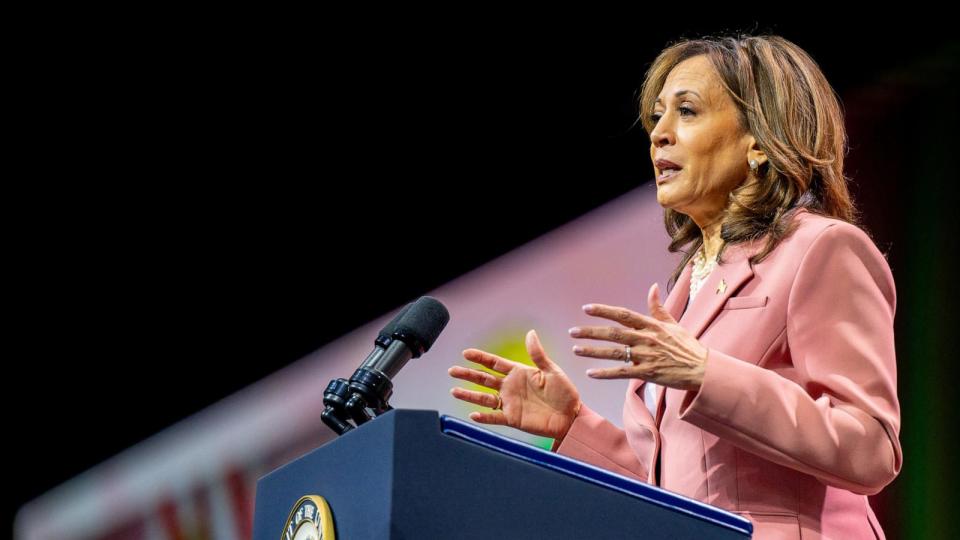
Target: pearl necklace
[701, 269]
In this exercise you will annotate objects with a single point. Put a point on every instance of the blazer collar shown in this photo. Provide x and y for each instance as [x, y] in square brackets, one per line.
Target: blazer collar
[732, 274]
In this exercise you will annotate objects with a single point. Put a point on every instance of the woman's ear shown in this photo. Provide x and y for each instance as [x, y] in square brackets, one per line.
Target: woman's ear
[755, 153]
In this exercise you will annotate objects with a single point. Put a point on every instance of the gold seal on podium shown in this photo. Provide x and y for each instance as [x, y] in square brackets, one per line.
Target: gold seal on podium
[310, 519]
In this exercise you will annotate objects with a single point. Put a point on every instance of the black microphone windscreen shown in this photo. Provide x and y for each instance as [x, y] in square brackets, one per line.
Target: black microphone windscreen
[386, 333]
[422, 324]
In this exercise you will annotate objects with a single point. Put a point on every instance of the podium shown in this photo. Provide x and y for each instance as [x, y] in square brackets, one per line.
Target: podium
[413, 474]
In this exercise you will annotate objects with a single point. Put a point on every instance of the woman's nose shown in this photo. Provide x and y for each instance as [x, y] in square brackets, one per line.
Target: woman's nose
[660, 135]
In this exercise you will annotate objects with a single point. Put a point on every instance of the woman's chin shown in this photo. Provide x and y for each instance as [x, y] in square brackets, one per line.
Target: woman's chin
[664, 196]
[669, 201]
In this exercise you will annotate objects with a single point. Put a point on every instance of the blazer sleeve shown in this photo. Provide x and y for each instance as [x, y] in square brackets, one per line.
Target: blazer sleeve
[593, 439]
[839, 420]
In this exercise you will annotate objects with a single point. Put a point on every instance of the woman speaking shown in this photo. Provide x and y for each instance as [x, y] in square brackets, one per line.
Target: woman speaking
[765, 382]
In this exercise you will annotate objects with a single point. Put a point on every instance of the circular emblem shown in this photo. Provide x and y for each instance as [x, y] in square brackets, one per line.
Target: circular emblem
[310, 519]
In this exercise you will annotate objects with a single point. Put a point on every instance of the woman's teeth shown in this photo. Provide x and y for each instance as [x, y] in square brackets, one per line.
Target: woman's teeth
[668, 173]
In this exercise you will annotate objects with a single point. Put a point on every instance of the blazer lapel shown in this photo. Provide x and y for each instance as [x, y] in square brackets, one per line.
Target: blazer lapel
[725, 280]
[677, 298]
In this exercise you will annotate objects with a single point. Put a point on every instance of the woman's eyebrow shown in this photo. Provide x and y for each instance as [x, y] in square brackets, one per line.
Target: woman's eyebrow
[679, 93]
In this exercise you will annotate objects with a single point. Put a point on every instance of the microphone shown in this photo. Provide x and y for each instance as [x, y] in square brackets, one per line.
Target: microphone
[415, 330]
[384, 339]
[410, 334]
[337, 393]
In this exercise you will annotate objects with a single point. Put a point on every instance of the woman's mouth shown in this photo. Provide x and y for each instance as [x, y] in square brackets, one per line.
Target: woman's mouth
[667, 174]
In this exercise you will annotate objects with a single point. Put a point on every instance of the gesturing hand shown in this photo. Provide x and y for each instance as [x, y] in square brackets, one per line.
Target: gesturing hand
[540, 400]
[660, 350]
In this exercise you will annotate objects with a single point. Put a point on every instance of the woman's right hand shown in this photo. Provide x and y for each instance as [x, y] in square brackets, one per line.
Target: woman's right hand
[540, 400]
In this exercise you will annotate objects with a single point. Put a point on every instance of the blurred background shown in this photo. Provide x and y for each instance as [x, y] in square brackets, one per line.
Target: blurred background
[199, 200]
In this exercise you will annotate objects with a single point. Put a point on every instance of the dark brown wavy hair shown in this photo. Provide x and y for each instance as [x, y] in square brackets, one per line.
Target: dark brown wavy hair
[786, 103]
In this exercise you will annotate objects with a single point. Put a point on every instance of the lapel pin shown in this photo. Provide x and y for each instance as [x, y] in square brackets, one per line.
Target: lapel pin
[722, 286]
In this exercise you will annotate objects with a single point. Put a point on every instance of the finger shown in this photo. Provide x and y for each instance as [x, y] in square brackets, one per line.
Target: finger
[656, 308]
[615, 334]
[624, 316]
[476, 376]
[537, 354]
[491, 361]
[472, 396]
[606, 353]
[626, 371]
[496, 418]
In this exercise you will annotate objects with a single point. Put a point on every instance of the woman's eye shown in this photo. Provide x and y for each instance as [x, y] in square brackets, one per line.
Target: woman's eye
[684, 111]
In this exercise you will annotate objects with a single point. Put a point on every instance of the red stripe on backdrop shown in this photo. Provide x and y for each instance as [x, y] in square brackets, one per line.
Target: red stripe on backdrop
[131, 530]
[241, 501]
[168, 518]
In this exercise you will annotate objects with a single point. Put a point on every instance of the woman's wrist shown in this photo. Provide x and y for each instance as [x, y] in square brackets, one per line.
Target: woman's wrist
[576, 413]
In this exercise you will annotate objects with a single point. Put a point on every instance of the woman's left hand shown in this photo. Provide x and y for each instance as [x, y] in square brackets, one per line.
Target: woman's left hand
[661, 351]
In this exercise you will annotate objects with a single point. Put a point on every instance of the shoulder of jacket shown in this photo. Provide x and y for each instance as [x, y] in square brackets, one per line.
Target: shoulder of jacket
[812, 226]
[827, 234]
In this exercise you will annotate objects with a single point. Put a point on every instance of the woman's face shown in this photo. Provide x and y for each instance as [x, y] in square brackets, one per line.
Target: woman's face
[697, 128]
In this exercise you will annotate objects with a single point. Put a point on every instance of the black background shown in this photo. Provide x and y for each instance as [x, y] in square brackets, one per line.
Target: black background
[198, 201]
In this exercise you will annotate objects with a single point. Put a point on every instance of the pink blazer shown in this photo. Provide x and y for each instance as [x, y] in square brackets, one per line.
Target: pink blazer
[797, 420]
